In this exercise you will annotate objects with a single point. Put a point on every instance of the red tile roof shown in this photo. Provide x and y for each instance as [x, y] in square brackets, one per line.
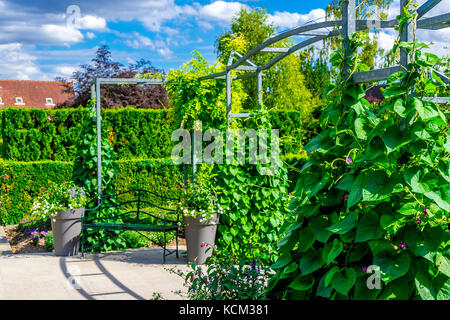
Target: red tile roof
[33, 93]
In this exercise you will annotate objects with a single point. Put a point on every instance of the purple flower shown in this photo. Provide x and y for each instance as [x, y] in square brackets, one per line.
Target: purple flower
[349, 160]
[425, 211]
[402, 245]
[418, 221]
[364, 269]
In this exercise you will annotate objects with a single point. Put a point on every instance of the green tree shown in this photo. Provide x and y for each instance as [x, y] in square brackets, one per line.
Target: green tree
[283, 84]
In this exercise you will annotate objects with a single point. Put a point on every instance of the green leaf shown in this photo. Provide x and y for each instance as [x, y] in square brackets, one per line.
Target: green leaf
[283, 261]
[408, 209]
[329, 275]
[345, 225]
[392, 267]
[306, 240]
[399, 107]
[335, 251]
[424, 286]
[343, 282]
[302, 283]
[425, 111]
[442, 264]
[368, 228]
[310, 262]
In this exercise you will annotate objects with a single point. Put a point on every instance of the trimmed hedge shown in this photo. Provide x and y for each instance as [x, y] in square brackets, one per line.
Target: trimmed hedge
[40, 135]
[21, 182]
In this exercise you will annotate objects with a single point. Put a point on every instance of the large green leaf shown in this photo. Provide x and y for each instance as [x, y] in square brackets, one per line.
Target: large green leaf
[345, 225]
[344, 281]
[368, 228]
[334, 251]
[311, 261]
[424, 285]
[302, 283]
[392, 267]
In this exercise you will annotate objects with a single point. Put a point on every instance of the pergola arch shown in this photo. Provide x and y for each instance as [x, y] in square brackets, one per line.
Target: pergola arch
[346, 27]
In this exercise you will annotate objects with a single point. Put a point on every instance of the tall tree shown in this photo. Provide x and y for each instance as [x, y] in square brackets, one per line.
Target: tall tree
[103, 66]
[284, 84]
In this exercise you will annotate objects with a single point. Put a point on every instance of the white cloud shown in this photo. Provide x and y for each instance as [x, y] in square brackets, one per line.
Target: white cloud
[90, 35]
[92, 23]
[15, 63]
[61, 34]
[291, 20]
[220, 10]
[64, 71]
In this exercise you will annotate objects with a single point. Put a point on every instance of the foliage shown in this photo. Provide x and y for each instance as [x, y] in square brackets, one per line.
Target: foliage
[284, 84]
[49, 241]
[251, 226]
[58, 197]
[227, 279]
[37, 134]
[375, 192]
[85, 174]
[103, 66]
[194, 99]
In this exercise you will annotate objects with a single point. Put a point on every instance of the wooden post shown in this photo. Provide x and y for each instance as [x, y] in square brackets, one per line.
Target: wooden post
[348, 28]
[406, 35]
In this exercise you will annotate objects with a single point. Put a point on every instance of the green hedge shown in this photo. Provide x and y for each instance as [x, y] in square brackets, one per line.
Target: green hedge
[40, 135]
[37, 134]
[20, 182]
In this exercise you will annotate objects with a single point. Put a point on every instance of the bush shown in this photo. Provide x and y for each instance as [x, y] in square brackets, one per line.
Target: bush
[49, 243]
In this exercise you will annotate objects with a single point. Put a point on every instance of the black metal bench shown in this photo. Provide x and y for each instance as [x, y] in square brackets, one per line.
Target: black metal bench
[133, 216]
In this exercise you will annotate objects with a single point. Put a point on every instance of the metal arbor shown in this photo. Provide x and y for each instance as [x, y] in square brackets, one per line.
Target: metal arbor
[345, 27]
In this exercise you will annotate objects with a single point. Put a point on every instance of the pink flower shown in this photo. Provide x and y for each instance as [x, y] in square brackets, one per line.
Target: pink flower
[203, 245]
[402, 245]
[364, 269]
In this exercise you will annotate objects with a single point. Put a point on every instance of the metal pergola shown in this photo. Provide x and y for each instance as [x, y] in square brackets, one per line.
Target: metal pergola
[345, 27]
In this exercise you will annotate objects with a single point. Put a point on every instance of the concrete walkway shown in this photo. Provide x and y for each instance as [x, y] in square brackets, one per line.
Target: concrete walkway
[132, 274]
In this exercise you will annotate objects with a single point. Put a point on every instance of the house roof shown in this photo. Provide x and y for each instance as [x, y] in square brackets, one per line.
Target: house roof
[34, 94]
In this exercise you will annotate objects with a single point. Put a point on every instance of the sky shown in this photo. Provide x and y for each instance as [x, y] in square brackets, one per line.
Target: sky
[41, 40]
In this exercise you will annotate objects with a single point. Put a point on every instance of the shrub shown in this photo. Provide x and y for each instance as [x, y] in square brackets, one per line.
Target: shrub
[49, 242]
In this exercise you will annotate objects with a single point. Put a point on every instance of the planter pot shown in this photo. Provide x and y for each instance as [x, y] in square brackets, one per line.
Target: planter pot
[66, 227]
[199, 230]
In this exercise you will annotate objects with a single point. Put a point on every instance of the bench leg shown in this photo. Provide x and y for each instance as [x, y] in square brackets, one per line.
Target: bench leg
[176, 237]
[164, 251]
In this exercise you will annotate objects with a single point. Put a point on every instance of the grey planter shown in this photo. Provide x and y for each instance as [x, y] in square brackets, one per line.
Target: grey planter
[66, 227]
[199, 230]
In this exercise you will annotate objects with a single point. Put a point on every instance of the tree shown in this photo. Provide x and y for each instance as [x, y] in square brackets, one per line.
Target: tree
[283, 84]
[103, 66]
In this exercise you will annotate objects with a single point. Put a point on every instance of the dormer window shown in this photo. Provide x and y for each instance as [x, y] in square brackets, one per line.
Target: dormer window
[19, 101]
[49, 102]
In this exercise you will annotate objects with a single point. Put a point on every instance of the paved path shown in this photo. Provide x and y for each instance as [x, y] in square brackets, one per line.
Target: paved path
[131, 274]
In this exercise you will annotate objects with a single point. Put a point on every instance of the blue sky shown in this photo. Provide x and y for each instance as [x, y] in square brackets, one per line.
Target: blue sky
[37, 44]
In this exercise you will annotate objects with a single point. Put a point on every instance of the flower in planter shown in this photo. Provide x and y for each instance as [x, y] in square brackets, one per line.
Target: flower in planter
[58, 197]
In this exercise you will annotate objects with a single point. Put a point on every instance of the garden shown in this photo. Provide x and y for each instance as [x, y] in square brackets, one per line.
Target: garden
[349, 200]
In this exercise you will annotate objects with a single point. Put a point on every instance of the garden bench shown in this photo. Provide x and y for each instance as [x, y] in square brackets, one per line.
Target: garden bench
[136, 218]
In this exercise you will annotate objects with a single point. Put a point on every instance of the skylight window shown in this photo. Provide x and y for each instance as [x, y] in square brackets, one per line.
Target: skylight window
[19, 101]
[49, 101]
